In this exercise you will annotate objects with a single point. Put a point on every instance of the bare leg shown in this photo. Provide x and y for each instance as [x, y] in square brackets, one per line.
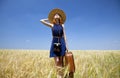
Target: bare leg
[59, 61]
[59, 65]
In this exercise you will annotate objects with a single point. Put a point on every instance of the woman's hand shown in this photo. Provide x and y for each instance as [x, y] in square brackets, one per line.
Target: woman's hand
[66, 49]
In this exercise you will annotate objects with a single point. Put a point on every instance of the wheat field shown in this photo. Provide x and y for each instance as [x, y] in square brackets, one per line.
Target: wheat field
[37, 64]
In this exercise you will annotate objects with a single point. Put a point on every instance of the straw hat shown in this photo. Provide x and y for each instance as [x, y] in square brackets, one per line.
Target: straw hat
[56, 11]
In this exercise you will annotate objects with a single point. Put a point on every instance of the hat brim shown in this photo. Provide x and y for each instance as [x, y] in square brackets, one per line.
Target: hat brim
[56, 11]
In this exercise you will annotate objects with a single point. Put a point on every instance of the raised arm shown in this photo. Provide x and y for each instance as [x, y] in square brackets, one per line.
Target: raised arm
[46, 22]
[65, 37]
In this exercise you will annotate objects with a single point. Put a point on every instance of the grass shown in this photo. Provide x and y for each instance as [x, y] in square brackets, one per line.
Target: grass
[37, 64]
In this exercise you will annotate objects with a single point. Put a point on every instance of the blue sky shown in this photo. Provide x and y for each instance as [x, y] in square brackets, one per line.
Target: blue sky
[90, 24]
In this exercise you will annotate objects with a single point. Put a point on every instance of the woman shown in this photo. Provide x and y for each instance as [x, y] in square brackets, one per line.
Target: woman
[56, 21]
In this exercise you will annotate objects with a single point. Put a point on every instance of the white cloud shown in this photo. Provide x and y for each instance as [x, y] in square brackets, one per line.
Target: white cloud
[27, 41]
[116, 41]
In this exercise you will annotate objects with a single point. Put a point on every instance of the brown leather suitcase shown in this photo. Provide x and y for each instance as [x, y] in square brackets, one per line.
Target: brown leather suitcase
[69, 60]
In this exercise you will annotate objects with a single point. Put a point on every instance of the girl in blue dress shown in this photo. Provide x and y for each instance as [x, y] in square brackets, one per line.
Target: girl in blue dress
[56, 21]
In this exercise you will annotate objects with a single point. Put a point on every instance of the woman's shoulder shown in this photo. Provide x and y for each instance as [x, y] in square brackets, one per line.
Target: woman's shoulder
[63, 25]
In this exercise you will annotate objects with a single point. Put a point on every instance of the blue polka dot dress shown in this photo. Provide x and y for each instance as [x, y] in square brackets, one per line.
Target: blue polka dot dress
[57, 31]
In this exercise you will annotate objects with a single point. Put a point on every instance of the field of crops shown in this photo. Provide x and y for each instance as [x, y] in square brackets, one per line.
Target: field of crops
[37, 64]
